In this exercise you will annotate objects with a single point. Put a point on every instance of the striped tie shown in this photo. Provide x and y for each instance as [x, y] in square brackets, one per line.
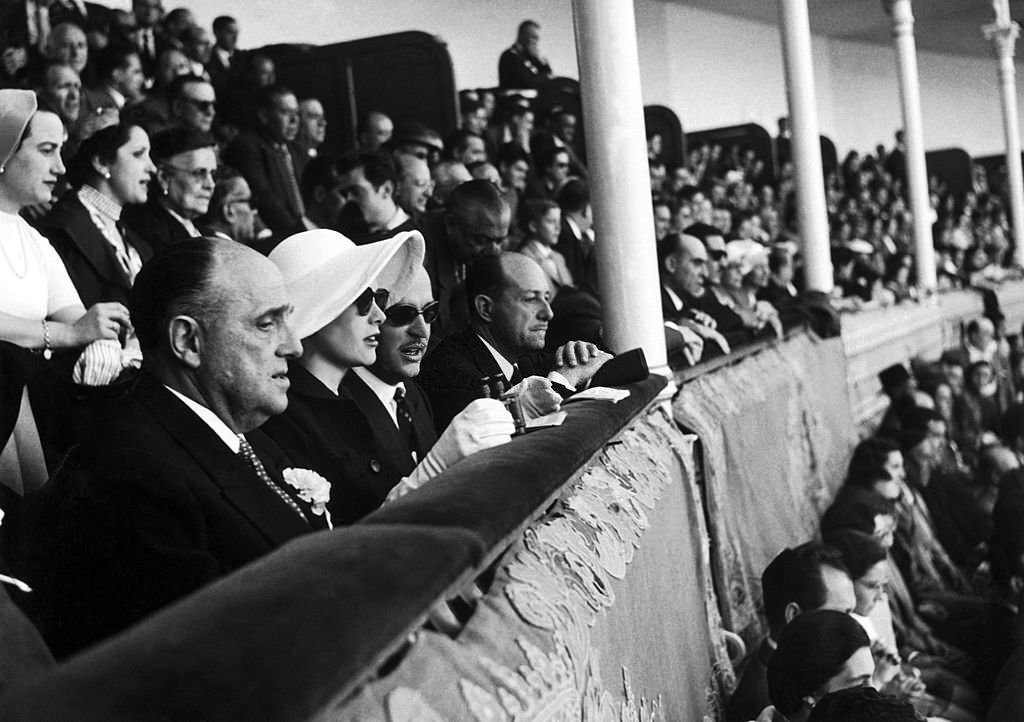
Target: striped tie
[254, 463]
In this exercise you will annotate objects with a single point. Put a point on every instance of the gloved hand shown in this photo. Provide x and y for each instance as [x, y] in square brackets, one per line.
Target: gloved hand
[536, 397]
[481, 425]
[686, 339]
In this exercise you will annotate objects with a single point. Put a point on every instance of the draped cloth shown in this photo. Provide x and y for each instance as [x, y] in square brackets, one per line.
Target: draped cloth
[776, 433]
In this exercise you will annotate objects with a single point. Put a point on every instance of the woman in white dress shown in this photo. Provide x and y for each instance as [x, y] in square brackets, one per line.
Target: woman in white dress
[39, 307]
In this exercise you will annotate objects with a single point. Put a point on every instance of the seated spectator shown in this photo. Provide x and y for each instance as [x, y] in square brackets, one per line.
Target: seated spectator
[779, 289]
[447, 176]
[323, 427]
[230, 215]
[714, 301]
[271, 163]
[552, 171]
[374, 130]
[862, 704]
[386, 393]
[414, 184]
[544, 220]
[509, 305]
[321, 192]
[517, 126]
[802, 579]
[899, 385]
[241, 106]
[576, 238]
[682, 266]
[222, 65]
[898, 279]
[418, 140]
[207, 492]
[482, 170]
[112, 170]
[60, 91]
[474, 224]
[818, 653]
[119, 79]
[197, 44]
[39, 306]
[981, 344]
[977, 412]
[466, 147]
[513, 168]
[745, 273]
[521, 66]
[193, 103]
[186, 162]
[154, 113]
[312, 127]
[662, 218]
[559, 133]
[368, 181]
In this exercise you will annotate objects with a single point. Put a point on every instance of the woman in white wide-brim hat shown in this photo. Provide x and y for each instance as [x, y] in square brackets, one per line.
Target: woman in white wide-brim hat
[339, 291]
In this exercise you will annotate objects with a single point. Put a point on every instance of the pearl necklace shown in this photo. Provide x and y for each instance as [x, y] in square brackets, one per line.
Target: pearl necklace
[24, 256]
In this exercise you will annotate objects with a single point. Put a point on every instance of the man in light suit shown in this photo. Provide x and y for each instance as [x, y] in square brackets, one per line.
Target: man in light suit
[175, 488]
[510, 309]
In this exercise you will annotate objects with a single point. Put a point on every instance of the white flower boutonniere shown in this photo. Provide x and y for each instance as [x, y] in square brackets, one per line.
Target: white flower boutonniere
[313, 489]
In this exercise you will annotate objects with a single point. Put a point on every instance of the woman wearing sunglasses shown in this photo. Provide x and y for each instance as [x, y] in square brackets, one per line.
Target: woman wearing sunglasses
[338, 290]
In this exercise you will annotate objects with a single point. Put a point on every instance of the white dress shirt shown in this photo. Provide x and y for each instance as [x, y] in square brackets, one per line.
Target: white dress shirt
[223, 432]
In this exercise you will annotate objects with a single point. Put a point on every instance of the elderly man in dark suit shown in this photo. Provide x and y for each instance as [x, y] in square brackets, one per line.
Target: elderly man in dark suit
[175, 488]
[509, 305]
[271, 163]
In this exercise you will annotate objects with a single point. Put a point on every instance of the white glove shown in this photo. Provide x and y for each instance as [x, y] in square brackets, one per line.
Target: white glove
[692, 342]
[481, 425]
[536, 397]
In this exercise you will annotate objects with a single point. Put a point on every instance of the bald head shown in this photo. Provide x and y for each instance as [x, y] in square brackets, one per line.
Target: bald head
[509, 298]
[683, 264]
[68, 44]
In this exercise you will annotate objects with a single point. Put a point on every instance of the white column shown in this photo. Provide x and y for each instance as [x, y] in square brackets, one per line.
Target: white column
[613, 117]
[1003, 34]
[803, 119]
[913, 136]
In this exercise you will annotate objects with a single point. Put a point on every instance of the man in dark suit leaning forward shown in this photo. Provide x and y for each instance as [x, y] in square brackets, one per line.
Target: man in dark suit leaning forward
[175, 489]
[509, 309]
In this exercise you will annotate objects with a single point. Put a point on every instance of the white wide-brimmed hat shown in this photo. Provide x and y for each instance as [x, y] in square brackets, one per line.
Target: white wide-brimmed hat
[746, 254]
[16, 109]
[325, 272]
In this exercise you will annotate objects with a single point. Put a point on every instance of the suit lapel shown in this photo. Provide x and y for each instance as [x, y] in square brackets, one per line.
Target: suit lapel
[481, 356]
[422, 416]
[95, 249]
[257, 503]
[391, 449]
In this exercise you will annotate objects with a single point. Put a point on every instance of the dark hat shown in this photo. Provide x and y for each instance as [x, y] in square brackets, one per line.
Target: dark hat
[168, 143]
[419, 134]
[893, 376]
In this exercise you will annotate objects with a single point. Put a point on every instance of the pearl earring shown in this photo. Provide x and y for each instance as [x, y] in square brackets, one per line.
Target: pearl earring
[106, 174]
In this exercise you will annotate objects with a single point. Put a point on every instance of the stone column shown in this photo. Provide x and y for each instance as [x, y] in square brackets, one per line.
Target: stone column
[803, 118]
[1003, 34]
[613, 117]
[913, 136]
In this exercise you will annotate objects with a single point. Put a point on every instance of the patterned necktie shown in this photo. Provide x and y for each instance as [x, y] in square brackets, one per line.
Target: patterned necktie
[254, 463]
[290, 179]
[404, 417]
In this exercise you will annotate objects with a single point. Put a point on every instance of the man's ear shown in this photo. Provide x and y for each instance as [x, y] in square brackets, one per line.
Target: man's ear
[185, 337]
[484, 307]
[670, 264]
[791, 612]
[387, 189]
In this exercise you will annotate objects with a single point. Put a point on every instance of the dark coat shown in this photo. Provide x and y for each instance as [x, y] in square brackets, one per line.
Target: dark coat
[751, 695]
[393, 451]
[580, 258]
[451, 374]
[329, 433]
[254, 156]
[519, 69]
[150, 508]
[88, 256]
[154, 224]
[443, 269]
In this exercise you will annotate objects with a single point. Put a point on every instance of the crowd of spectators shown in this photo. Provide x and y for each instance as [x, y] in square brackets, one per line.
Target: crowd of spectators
[919, 563]
[217, 335]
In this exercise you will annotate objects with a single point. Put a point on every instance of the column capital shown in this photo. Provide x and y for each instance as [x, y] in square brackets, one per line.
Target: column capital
[901, 12]
[1003, 37]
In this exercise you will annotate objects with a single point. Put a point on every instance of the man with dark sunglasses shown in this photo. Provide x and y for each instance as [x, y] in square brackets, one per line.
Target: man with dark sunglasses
[193, 103]
[395, 407]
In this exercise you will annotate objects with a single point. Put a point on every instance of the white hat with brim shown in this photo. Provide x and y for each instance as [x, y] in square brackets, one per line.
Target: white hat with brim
[324, 272]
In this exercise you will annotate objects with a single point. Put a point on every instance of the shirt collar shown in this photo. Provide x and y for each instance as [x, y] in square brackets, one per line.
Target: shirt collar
[507, 367]
[381, 389]
[575, 228]
[397, 219]
[217, 426]
[99, 202]
[189, 225]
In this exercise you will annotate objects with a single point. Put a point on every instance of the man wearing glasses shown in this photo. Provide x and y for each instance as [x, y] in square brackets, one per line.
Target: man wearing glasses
[193, 103]
[395, 407]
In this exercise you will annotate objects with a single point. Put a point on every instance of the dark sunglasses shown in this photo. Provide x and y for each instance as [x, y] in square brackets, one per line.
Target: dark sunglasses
[203, 106]
[368, 297]
[718, 255]
[402, 314]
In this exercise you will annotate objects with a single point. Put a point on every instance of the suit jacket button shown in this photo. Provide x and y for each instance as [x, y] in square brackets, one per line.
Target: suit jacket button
[374, 466]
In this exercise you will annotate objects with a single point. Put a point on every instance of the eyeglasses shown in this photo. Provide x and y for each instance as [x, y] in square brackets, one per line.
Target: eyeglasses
[402, 314]
[718, 255]
[203, 106]
[199, 175]
[369, 297]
